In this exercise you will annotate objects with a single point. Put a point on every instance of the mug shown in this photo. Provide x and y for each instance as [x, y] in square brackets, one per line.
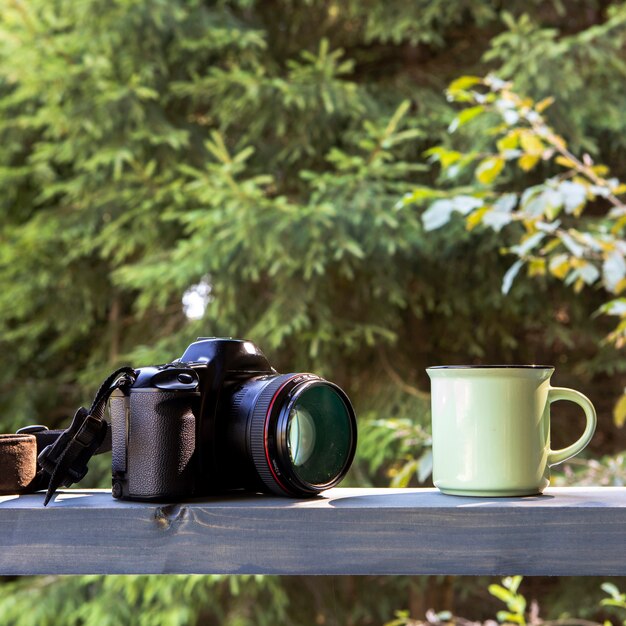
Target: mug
[491, 428]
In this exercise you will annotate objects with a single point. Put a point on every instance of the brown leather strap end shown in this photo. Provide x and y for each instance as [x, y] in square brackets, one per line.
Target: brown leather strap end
[18, 463]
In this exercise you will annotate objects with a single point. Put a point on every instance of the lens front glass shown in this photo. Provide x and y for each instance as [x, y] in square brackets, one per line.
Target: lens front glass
[300, 435]
[319, 434]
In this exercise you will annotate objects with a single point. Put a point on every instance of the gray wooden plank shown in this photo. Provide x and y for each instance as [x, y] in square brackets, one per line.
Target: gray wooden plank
[567, 531]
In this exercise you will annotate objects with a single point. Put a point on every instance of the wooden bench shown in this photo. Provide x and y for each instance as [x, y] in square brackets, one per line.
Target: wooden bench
[567, 531]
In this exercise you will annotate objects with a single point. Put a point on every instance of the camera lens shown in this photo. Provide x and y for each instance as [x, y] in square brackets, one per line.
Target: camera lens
[318, 434]
[300, 431]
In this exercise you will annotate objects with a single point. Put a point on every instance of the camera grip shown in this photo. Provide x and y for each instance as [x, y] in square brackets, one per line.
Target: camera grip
[153, 444]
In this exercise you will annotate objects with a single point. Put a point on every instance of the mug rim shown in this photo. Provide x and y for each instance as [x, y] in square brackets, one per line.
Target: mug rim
[468, 367]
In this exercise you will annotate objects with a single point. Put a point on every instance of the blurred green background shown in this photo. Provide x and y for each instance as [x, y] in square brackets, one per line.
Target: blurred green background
[172, 168]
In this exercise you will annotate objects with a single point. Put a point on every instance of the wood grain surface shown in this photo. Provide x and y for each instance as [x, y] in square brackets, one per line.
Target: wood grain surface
[567, 531]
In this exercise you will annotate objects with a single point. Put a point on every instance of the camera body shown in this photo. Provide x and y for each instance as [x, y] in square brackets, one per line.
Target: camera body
[221, 418]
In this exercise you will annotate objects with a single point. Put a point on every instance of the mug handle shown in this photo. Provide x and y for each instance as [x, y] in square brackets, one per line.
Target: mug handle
[562, 393]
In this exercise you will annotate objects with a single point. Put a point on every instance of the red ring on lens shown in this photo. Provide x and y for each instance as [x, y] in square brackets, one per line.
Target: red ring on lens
[280, 483]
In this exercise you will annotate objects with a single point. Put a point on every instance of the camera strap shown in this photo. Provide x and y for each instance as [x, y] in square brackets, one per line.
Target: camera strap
[66, 453]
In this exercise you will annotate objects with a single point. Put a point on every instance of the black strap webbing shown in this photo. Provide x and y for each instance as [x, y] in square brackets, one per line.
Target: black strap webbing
[64, 461]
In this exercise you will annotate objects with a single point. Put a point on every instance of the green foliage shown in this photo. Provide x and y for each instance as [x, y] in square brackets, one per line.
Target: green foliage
[518, 609]
[507, 592]
[400, 445]
[578, 63]
[555, 235]
[616, 597]
[144, 600]
[608, 471]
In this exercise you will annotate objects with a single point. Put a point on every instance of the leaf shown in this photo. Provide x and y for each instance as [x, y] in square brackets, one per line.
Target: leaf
[512, 583]
[527, 244]
[505, 203]
[425, 465]
[613, 270]
[600, 169]
[619, 418]
[403, 477]
[244, 155]
[396, 118]
[417, 196]
[542, 105]
[614, 307]
[508, 142]
[510, 116]
[509, 277]
[529, 194]
[354, 249]
[465, 204]
[443, 155]
[565, 162]
[464, 82]
[496, 220]
[501, 593]
[476, 218]
[437, 214]
[531, 143]
[537, 267]
[527, 161]
[576, 249]
[465, 116]
[559, 266]
[488, 169]
[551, 246]
[547, 202]
[508, 617]
[574, 195]
[440, 212]
[589, 273]
[500, 216]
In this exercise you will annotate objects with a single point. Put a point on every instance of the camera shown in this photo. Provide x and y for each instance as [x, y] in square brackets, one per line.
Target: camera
[221, 418]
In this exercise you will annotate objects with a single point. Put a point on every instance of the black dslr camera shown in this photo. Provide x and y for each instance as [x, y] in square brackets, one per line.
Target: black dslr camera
[221, 418]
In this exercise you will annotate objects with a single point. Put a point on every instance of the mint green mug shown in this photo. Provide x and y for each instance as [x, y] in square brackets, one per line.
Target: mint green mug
[491, 428]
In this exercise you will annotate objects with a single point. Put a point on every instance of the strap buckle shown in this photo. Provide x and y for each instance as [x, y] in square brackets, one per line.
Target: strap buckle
[66, 459]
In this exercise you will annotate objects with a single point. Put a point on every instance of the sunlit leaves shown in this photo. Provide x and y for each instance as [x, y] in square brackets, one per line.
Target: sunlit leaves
[531, 143]
[616, 597]
[580, 254]
[613, 269]
[515, 602]
[489, 169]
[460, 85]
[509, 277]
[619, 412]
[559, 265]
[528, 161]
[440, 212]
[574, 195]
[465, 116]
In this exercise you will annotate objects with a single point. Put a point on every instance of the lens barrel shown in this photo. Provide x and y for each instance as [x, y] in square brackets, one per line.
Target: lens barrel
[300, 431]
